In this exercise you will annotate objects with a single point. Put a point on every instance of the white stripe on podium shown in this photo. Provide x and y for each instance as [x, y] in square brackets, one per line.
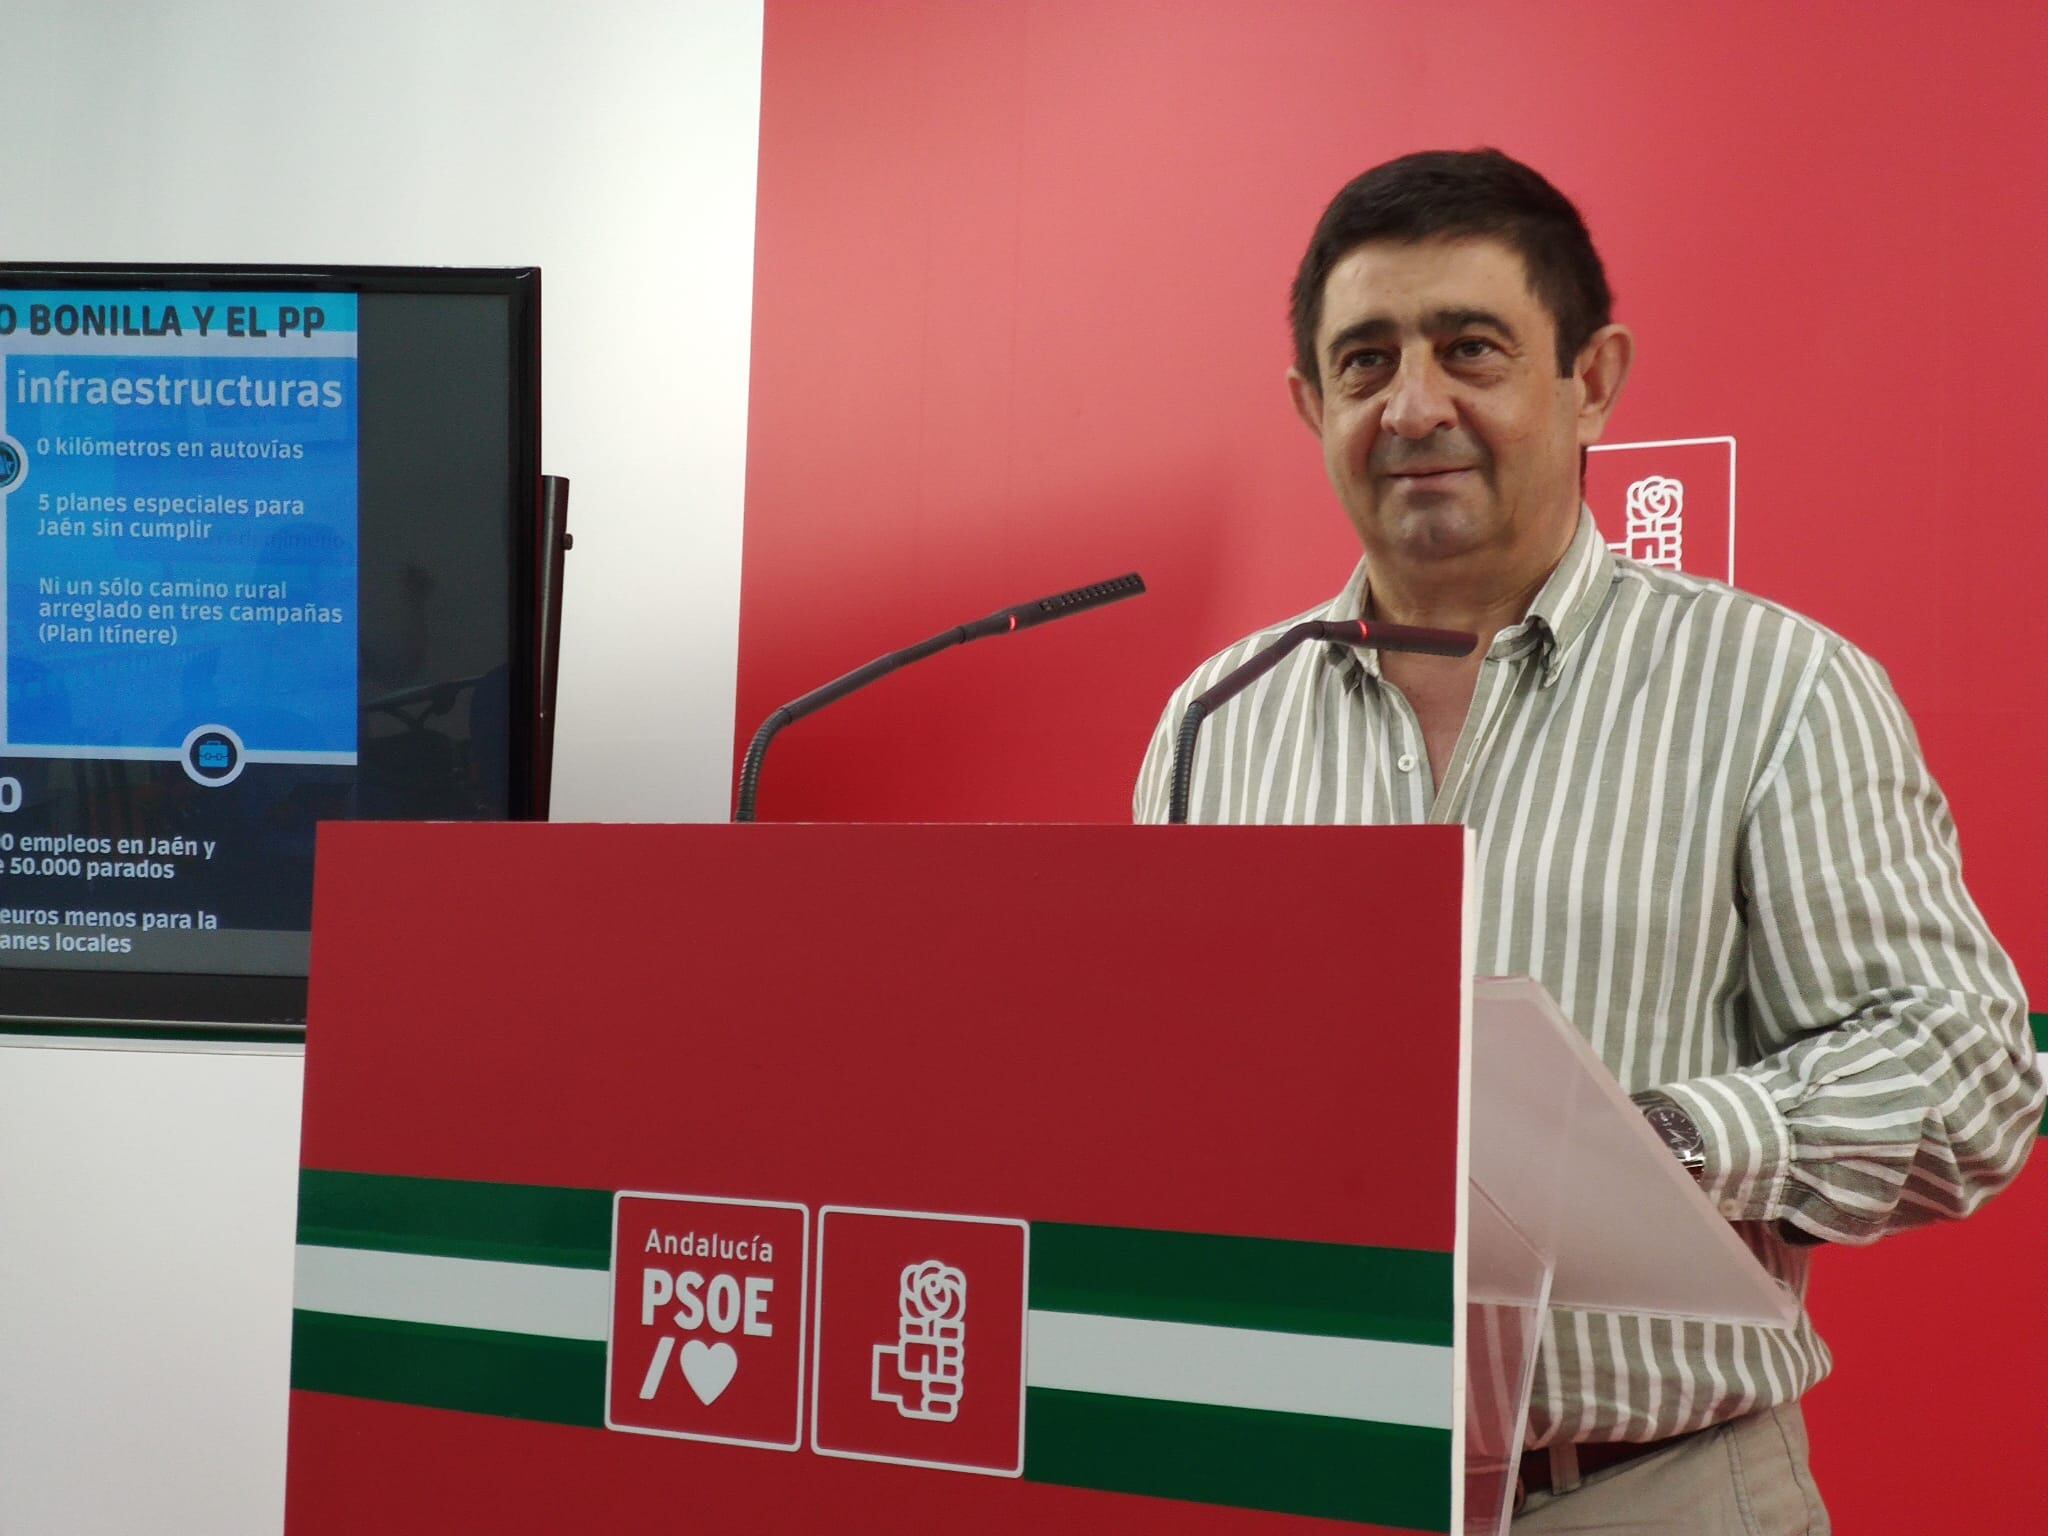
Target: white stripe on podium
[540, 1299]
[1374, 1379]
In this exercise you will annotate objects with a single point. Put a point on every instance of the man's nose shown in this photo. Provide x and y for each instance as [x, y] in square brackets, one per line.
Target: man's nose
[1419, 402]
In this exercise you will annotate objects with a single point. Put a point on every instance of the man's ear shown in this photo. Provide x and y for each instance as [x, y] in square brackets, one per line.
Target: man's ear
[1308, 401]
[1602, 370]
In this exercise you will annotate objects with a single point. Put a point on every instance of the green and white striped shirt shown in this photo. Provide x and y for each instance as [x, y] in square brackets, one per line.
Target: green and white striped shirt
[1704, 824]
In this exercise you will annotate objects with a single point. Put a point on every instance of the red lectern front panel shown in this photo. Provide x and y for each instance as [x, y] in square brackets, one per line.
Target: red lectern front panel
[879, 1178]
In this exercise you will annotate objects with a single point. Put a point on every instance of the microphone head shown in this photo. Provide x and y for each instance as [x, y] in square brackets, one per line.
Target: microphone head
[1403, 637]
[1046, 609]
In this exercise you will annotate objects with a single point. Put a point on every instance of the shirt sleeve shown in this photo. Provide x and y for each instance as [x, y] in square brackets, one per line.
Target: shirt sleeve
[1897, 1083]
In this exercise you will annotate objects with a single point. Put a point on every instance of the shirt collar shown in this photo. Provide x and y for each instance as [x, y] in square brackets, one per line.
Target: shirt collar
[1566, 605]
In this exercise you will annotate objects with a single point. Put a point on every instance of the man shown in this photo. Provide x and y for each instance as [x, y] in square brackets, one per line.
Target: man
[1702, 822]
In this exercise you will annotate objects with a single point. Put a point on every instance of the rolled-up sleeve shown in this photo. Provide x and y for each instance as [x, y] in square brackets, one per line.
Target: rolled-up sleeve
[1896, 1082]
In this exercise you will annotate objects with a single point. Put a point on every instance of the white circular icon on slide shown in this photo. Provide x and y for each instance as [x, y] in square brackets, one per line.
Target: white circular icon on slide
[213, 756]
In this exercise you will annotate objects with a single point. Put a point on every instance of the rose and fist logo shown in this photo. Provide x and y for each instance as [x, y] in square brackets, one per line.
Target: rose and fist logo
[924, 1373]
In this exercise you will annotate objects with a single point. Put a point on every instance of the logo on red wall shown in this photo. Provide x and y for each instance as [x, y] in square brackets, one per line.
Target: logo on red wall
[709, 1307]
[920, 1340]
[1667, 504]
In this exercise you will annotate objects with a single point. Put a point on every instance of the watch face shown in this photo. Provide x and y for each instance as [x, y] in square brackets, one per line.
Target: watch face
[1675, 1126]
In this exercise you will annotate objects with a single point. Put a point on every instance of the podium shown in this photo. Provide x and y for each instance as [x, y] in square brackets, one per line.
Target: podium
[943, 1178]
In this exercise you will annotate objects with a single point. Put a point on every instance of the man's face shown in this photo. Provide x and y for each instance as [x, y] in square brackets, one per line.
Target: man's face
[1446, 429]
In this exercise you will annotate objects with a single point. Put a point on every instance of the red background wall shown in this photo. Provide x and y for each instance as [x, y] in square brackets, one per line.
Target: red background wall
[1019, 324]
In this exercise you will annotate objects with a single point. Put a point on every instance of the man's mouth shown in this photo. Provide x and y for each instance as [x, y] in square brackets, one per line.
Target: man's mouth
[1425, 477]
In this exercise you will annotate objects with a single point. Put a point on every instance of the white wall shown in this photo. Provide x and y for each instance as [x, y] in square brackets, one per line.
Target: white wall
[145, 1199]
[146, 1214]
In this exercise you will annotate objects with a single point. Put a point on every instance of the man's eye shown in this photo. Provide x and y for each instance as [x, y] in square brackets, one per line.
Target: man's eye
[1472, 347]
[1354, 362]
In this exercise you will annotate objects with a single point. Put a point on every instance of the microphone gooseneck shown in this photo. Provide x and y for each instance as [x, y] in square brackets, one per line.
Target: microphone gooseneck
[1004, 621]
[1359, 632]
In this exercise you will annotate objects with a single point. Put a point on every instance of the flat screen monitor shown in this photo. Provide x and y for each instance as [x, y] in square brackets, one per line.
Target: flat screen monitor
[268, 562]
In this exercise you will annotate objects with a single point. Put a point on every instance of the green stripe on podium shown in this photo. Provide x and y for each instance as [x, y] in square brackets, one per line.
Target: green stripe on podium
[1289, 1463]
[1331, 1289]
[470, 1370]
[516, 1223]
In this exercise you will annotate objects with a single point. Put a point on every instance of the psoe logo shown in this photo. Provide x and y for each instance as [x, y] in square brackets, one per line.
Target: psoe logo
[920, 1340]
[924, 1372]
[1667, 504]
[709, 1303]
[13, 464]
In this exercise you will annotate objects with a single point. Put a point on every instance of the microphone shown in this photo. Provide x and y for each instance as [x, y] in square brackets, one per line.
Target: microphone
[1004, 621]
[1358, 632]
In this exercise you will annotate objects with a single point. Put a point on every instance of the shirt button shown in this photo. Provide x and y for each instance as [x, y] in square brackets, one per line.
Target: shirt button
[1407, 762]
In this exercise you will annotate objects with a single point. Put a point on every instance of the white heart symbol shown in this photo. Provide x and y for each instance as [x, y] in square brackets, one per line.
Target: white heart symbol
[709, 1369]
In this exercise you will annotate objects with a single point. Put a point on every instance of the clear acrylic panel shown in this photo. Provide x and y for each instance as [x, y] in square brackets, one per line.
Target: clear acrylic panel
[1507, 1294]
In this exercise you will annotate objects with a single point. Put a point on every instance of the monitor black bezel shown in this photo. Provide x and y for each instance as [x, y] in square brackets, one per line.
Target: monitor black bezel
[170, 1004]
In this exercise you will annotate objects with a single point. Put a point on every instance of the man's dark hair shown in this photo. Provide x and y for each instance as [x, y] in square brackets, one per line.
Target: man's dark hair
[1448, 193]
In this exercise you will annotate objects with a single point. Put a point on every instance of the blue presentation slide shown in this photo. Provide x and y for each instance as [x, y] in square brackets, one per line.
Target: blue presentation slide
[179, 482]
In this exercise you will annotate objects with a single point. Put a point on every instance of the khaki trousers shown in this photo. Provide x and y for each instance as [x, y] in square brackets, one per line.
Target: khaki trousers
[1747, 1477]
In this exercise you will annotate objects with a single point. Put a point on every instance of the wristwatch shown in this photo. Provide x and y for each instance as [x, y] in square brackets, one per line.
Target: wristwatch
[1676, 1127]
